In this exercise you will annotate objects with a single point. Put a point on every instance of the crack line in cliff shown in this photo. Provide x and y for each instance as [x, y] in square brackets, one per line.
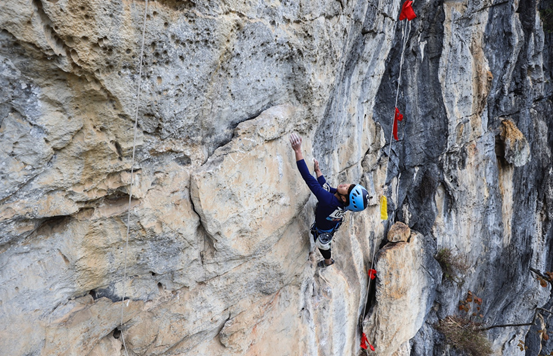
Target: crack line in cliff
[393, 134]
[234, 125]
[23, 185]
[201, 228]
[404, 39]
[369, 294]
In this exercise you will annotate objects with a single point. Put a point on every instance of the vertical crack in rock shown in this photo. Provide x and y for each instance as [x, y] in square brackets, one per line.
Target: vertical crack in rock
[201, 228]
[208, 250]
[424, 133]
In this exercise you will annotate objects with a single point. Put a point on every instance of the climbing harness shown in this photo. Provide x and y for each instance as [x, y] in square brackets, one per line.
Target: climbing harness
[408, 13]
[323, 241]
[139, 89]
[323, 238]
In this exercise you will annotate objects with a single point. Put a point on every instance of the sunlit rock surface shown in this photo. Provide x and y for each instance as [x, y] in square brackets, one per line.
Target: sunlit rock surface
[405, 289]
[219, 259]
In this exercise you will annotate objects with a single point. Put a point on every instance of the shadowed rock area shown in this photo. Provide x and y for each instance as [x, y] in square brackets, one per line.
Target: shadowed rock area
[219, 259]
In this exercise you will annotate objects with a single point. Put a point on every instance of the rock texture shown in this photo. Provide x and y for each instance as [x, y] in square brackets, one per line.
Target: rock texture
[399, 232]
[515, 145]
[219, 259]
[405, 290]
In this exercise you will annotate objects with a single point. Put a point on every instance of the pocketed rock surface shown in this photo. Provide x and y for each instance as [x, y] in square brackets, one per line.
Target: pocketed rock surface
[219, 259]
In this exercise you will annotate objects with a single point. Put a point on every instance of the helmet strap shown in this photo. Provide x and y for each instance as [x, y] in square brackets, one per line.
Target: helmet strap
[341, 200]
[349, 192]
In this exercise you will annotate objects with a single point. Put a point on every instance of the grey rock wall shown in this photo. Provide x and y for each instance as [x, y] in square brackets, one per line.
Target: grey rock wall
[219, 258]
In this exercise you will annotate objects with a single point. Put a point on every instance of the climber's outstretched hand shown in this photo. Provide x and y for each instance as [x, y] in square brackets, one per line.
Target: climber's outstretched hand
[295, 142]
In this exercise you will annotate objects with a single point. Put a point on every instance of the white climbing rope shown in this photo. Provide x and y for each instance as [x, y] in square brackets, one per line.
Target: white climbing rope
[138, 92]
[404, 39]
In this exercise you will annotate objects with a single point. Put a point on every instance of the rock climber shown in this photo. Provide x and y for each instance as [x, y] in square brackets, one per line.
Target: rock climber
[333, 202]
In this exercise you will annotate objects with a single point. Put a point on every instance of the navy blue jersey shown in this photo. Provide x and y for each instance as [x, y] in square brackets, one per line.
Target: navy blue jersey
[330, 211]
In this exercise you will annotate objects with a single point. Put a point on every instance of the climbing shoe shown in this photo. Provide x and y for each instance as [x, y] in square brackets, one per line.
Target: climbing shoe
[322, 263]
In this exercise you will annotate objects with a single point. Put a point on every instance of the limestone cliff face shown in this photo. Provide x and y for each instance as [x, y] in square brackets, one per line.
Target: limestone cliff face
[219, 259]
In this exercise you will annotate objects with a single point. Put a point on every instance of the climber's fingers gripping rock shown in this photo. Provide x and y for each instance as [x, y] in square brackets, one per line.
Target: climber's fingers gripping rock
[295, 141]
[316, 168]
[315, 165]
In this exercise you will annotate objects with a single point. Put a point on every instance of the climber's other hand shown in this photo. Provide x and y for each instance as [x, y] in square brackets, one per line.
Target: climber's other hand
[316, 165]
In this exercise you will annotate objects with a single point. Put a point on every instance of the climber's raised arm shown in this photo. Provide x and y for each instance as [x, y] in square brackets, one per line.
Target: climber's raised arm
[313, 184]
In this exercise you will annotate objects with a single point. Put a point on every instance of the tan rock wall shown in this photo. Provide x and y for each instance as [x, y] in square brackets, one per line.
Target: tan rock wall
[404, 294]
[219, 258]
[218, 255]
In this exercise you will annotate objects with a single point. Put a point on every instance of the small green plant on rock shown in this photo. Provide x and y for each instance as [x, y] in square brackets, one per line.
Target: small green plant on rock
[453, 265]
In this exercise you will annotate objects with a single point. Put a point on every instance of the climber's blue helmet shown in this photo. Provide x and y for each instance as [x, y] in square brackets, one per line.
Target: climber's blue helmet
[357, 197]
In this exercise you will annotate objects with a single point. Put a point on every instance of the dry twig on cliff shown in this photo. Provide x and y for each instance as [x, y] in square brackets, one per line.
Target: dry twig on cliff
[465, 335]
